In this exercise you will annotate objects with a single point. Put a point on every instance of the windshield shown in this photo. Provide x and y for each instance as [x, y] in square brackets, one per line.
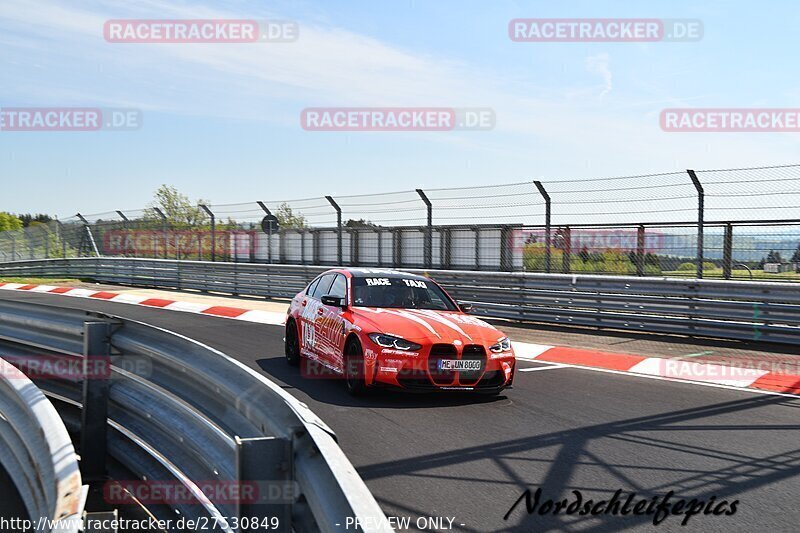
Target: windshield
[404, 293]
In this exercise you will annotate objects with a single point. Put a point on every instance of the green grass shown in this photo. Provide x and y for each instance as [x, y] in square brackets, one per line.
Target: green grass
[739, 274]
[38, 281]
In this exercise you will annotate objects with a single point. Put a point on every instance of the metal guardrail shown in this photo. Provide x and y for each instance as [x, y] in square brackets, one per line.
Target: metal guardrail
[179, 411]
[37, 454]
[741, 310]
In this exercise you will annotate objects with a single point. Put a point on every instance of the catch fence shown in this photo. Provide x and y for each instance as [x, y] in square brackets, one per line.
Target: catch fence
[728, 224]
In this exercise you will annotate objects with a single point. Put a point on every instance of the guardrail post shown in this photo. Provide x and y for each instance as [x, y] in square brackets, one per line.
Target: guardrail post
[700, 212]
[269, 234]
[265, 472]
[94, 414]
[213, 231]
[338, 228]
[640, 250]
[88, 229]
[428, 245]
[126, 228]
[163, 230]
[727, 252]
[547, 212]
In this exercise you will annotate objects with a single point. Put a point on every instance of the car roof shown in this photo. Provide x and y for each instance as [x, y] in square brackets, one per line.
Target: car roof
[384, 273]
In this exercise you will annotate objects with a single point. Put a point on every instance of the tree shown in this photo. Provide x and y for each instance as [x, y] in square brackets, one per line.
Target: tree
[179, 210]
[287, 218]
[774, 257]
[28, 219]
[9, 222]
[360, 223]
[796, 257]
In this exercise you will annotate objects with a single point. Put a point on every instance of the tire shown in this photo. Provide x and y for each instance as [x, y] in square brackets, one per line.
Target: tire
[291, 344]
[354, 368]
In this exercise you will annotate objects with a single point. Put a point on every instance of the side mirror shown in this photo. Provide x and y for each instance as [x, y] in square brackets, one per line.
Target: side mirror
[465, 307]
[333, 301]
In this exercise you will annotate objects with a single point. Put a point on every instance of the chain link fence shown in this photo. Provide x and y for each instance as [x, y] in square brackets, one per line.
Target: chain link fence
[730, 224]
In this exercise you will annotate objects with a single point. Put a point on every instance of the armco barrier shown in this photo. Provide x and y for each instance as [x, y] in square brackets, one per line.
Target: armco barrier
[742, 310]
[37, 454]
[180, 412]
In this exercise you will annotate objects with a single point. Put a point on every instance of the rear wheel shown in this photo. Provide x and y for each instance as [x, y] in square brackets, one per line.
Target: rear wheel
[291, 345]
[354, 368]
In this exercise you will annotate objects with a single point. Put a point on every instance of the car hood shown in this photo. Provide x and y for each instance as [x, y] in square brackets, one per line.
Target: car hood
[423, 325]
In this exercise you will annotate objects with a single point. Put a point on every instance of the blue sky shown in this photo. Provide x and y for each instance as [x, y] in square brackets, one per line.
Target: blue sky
[221, 121]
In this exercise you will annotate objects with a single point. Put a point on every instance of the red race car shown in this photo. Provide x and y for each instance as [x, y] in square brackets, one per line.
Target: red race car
[382, 327]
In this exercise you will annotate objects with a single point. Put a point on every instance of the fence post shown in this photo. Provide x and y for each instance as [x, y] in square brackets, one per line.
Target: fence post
[338, 228]
[397, 248]
[566, 267]
[163, 230]
[94, 414]
[727, 252]
[46, 232]
[213, 231]
[269, 234]
[640, 250]
[476, 230]
[379, 234]
[13, 247]
[62, 239]
[546, 198]
[700, 211]
[125, 226]
[428, 246]
[87, 228]
[29, 240]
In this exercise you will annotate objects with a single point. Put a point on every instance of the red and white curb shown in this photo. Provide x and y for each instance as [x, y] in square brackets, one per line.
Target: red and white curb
[754, 375]
[235, 313]
[556, 356]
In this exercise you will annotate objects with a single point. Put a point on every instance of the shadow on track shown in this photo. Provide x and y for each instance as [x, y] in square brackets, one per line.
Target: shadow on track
[656, 454]
[332, 391]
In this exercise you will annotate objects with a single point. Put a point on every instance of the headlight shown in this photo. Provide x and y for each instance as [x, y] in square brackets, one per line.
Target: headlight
[390, 341]
[503, 345]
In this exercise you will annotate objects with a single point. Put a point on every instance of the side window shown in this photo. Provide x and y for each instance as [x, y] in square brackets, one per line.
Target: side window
[322, 287]
[313, 286]
[436, 301]
[339, 287]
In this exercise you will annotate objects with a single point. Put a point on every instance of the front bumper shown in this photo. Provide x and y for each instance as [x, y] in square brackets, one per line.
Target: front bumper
[419, 371]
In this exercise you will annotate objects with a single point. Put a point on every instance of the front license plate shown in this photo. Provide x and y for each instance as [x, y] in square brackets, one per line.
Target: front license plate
[459, 364]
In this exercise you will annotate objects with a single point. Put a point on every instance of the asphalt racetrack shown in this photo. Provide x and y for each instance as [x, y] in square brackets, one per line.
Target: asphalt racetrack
[561, 429]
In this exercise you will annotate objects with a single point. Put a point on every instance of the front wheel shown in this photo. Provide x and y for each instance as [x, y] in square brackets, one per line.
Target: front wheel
[354, 368]
[291, 344]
